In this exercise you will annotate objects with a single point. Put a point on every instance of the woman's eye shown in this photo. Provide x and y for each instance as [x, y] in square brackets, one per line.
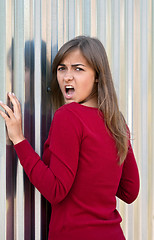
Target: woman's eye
[79, 69]
[61, 68]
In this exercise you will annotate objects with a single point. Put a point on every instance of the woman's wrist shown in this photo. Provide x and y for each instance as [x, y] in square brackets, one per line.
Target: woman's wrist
[18, 140]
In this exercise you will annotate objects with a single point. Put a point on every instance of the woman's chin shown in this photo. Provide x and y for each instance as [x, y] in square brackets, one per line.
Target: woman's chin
[69, 101]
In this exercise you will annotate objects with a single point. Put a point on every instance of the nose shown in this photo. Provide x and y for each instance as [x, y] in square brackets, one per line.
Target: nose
[68, 76]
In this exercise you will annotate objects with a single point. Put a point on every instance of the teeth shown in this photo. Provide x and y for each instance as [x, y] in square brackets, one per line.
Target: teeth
[68, 87]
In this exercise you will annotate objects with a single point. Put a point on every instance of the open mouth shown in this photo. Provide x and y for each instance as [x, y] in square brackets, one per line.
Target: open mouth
[69, 90]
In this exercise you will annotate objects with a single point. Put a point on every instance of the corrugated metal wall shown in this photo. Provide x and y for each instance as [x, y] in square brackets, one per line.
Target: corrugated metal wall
[31, 31]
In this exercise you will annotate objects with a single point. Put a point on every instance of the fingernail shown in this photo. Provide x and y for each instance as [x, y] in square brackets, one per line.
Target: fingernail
[1, 102]
[13, 94]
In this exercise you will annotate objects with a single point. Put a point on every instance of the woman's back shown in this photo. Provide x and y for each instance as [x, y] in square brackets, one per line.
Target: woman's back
[90, 206]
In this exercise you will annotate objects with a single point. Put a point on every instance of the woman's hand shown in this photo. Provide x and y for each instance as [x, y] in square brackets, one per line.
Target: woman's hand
[13, 119]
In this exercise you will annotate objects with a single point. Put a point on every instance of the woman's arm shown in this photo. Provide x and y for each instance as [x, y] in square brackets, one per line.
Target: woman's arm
[53, 181]
[129, 183]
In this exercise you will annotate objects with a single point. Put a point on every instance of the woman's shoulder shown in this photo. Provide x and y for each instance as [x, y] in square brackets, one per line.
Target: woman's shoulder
[76, 107]
[67, 111]
[69, 107]
[67, 119]
[78, 112]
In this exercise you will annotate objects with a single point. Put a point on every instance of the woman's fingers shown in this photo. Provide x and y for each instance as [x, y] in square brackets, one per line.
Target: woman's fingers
[4, 115]
[14, 99]
[16, 112]
[16, 105]
[8, 111]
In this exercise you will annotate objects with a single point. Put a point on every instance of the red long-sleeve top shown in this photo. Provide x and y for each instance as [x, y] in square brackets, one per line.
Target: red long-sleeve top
[80, 175]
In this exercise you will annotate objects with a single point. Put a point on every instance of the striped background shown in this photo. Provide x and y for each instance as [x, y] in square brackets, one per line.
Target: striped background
[126, 28]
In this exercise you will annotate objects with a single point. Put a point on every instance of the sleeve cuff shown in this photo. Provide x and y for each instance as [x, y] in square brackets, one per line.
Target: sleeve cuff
[25, 151]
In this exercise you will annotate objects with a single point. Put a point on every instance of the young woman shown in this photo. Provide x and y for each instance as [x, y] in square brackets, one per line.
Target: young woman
[88, 158]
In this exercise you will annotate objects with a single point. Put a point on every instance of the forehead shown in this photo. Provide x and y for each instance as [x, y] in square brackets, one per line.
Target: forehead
[74, 56]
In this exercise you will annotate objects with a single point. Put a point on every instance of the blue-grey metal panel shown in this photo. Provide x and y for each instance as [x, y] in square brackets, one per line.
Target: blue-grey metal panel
[18, 89]
[37, 101]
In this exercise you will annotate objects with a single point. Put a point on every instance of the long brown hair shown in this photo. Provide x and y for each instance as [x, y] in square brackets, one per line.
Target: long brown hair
[94, 52]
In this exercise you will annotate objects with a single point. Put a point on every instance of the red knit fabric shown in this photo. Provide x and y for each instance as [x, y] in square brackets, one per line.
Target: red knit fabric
[80, 175]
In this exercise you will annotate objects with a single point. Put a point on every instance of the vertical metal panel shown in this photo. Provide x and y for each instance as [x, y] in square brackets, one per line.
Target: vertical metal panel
[101, 21]
[129, 45]
[150, 115]
[18, 89]
[31, 33]
[86, 17]
[152, 120]
[54, 27]
[71, 19]
[137, 109]
[115, 45]
[144, 116]
[93, 10]
[37, 100]
[78, 12]
[2, 128]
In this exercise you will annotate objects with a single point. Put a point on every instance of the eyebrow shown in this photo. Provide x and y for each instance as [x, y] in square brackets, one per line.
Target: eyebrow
[73, 65]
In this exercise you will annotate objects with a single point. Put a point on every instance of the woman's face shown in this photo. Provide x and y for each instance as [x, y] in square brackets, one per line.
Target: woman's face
[76, 79]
